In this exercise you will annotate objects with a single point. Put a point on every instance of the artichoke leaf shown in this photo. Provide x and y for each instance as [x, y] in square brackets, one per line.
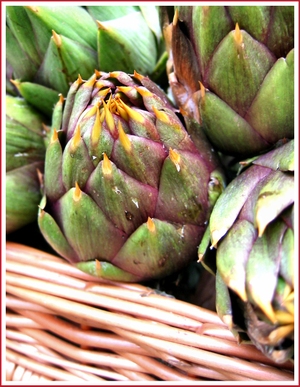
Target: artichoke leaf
[223, 302]
[53, 234]
[231, 201]
[104, 13]
[23, 70]
[209, 24]
[124, 200]
[81, 220]
[143, 161]
[263, 267]
[183, 187]
[63, 61]
[287, 264]
[272, 111]
[281, 158]
[22, 30]
[106, 271]
[254, 20]
[158, 248]
[134, 45]
[76, 162]
[232, 256]
[227, 130]
[22, 195]
[39, 96]
[53, 182]
[237, 70]
[276, 195]
[62, 19]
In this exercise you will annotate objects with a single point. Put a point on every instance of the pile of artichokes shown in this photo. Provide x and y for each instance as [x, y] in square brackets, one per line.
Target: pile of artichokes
[143, 138]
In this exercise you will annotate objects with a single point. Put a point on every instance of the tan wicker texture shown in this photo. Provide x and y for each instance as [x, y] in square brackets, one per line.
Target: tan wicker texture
[63, 325]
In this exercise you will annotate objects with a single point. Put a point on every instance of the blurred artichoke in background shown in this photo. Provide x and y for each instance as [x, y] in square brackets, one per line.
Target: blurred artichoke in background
[127, 191]
[232, 68]
[25, 153]
[48, 46]
[252, 228]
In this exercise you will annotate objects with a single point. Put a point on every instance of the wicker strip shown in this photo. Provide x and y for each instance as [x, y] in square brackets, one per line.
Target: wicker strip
[64, 325]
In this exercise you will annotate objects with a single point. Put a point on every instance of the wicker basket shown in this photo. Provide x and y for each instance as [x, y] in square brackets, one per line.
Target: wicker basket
[63, 325]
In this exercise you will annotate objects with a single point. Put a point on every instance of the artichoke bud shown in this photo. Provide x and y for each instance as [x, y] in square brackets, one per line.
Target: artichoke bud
[124, 167]
[244, 74]
[251, 228]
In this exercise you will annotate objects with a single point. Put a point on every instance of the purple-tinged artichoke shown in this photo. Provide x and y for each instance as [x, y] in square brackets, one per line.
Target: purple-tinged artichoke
[252, 229]
[128, 192]
[232, 67]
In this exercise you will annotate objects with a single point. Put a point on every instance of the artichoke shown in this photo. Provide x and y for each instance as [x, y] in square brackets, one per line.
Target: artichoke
[229, 67]
[127, 192]
[252, 229]
[48, 46]
[25, 153]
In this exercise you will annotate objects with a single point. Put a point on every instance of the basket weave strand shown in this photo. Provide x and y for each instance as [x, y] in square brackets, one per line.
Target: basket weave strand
[64, 325]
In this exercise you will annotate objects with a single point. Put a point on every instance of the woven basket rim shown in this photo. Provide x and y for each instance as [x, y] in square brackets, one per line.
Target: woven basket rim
[64, 325]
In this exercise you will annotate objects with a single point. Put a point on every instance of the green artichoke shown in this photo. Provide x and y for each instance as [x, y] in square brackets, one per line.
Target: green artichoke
[252, 229]
[48, 46]
[127, 191]
[25, 153]
[232, 67]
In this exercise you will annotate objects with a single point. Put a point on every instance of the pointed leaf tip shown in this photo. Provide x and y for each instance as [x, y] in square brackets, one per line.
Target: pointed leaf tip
[56, 38]
[100, 25]
[77, 193]
[151, 225]
[106, 165]
[238, 37]
[124, 139]
[175, 18]
[138, 76]
[76, 138]
[54, 136]
[175, 158]
[202, 90]
[162, 116]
